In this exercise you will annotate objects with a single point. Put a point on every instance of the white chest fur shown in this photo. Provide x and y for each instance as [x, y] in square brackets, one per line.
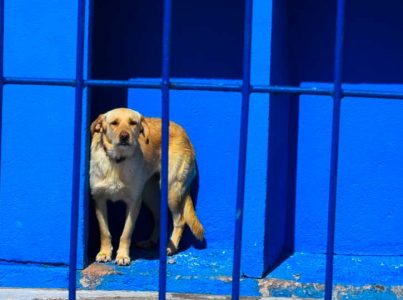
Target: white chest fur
[114, 181]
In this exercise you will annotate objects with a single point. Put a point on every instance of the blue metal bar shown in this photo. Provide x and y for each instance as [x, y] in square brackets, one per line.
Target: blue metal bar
[290, 90]
[77, 148]
[246, 90]
[373, 94]
[334, 157]
[166, 56]
[39, 81]
[139, 83]
[1, 73]
[203, 86]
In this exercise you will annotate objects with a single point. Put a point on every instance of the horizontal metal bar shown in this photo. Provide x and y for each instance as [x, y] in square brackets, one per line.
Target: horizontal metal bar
[373, 94]
[145, 84]
[203, 86]
[39, 81]
[291, 90]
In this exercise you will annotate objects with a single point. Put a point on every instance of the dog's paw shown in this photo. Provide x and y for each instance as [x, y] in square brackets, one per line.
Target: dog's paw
[103, 257]
[171, 251]
[146, 245]
[122, 260]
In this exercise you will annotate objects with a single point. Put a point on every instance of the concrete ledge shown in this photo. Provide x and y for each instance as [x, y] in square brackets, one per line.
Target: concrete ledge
[59, 294]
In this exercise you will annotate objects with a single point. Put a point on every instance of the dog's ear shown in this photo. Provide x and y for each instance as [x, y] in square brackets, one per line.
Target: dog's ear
[98, 125]
[144, 129]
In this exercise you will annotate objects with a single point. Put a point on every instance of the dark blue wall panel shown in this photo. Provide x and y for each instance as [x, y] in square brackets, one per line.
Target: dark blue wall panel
[206, 39]
[373, 45]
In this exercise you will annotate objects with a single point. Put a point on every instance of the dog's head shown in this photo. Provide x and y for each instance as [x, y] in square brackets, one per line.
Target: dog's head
[120, 129]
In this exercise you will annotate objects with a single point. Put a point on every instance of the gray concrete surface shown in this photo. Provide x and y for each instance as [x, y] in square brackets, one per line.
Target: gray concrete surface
[56, 294]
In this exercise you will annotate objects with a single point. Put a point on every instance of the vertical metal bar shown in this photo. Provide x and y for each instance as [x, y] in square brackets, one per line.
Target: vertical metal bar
[337, 96]
[246, 89]
[166, 55]
[2, 21]
[77, 148]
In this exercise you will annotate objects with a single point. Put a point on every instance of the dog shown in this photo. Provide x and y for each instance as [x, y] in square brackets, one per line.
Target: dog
[125, 156]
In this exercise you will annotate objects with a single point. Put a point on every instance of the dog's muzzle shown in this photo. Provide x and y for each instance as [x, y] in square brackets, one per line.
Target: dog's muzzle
[124, 138]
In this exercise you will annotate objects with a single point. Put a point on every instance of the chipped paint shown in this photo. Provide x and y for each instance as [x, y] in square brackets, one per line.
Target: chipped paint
[92, 276]
[288, 288]
[227, 279]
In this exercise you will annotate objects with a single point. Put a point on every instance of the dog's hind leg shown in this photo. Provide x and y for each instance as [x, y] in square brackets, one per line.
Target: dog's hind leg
[176, 207]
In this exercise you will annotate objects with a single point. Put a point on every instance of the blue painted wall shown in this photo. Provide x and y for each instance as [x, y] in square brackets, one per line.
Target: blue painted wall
[370, 181]
[37, 134]
[369, 184]
[289, 136]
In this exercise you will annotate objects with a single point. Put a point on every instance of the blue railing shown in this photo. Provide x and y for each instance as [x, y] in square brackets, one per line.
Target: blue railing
[245, 87]
[78, 110]
[246, 68]
[334, 154]
[166, 58]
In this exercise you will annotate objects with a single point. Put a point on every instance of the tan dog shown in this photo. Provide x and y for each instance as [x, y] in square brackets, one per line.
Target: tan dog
[125, 154]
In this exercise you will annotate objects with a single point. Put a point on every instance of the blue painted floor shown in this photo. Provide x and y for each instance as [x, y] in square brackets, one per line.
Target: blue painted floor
[348, 270]
[209, 271]
[191, 271]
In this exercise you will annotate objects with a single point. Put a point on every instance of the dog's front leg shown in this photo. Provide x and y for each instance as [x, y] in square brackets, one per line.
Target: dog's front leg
[105, 253]
[132, 212]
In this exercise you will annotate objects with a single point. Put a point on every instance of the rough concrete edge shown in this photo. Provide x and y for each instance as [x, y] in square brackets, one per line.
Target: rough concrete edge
[61, 294]
[273, 287]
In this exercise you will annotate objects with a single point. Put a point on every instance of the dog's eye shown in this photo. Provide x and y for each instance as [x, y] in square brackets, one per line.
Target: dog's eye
[132, 122]
[114, 123]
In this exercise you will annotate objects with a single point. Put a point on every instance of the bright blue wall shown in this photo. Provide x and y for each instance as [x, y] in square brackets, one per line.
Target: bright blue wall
[37, 134]
[370, 181]
[36, 161]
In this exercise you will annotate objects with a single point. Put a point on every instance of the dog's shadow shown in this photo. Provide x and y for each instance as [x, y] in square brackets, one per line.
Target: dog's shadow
[146, 223]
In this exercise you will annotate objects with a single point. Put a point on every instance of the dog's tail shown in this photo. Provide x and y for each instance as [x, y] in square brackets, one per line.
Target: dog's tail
[192, 220]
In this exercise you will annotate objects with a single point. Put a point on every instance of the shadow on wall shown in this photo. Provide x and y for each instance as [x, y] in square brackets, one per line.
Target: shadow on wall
[372, 52]
[206, 37]
[281, 181]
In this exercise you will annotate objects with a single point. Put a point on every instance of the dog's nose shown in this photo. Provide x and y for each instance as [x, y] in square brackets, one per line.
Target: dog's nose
[124, 136]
